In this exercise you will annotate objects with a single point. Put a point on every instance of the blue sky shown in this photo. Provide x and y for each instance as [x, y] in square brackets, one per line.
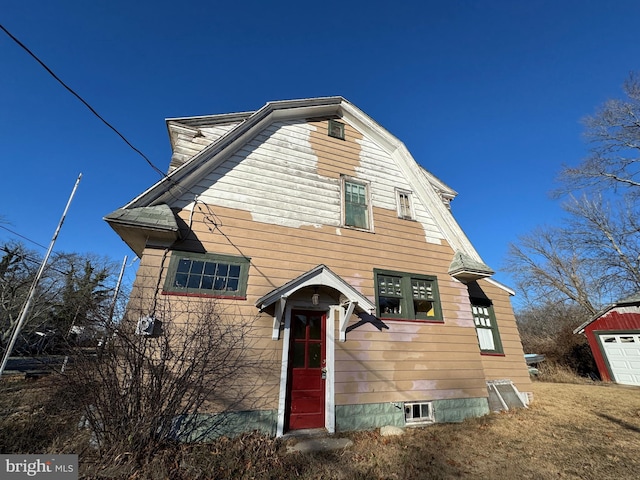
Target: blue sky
[487, 95]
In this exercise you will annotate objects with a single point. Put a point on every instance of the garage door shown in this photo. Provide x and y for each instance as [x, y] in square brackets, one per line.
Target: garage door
[622, 352]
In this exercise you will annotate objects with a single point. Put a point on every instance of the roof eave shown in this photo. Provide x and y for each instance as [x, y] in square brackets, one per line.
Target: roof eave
[228, 143]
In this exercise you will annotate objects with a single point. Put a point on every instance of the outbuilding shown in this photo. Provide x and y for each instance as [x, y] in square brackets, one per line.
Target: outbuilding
[614, 337]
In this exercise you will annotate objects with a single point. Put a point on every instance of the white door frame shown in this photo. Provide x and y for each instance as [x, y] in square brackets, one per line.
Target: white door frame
[332, 312]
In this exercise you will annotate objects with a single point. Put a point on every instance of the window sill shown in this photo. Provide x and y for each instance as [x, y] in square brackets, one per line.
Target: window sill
[492, 354]
[205, 295]
[412, 320]
[357, 229]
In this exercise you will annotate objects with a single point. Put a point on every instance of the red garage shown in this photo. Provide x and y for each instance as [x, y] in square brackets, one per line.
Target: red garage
[614, 337]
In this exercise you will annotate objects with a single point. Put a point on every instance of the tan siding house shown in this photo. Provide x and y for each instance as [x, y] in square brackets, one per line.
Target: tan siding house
[370, 305]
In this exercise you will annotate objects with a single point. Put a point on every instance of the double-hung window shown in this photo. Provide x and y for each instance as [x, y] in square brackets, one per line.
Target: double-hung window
[207, 274]
[407, 296]
[486, 328]
[405, 207]
[356, 204]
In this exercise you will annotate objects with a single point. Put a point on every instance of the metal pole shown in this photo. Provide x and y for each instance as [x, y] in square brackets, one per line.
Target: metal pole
[115, 294]
[34, 285]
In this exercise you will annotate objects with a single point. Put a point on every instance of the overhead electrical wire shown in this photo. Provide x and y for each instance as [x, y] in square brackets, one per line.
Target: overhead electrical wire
[23, 237]
[84, 102]
[115, 130]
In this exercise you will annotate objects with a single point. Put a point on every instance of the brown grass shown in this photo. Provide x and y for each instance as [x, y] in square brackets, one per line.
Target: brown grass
[571, 431]
[550, 371]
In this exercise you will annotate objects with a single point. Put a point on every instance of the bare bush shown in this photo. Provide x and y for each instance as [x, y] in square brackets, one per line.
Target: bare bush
[141, 392]
[548, 329]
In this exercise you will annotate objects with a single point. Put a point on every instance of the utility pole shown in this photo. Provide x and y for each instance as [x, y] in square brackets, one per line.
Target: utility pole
[36, 280]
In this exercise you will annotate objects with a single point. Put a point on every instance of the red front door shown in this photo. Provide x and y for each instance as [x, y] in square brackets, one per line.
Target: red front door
[306, 363]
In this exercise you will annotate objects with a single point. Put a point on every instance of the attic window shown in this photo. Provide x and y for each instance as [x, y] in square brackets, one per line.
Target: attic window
[336, 129]
[405, 209]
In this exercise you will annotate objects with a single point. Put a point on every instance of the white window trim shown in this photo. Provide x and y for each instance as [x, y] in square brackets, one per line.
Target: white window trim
[409, 194]
[418, 420]
[343, 180]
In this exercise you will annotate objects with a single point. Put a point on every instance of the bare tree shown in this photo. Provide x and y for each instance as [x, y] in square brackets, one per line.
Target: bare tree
[143, 392]
[550, 268]
[74, 290]
[547, 328]
[593, 256]
[614, 133]
[608, 236]
[18, 267]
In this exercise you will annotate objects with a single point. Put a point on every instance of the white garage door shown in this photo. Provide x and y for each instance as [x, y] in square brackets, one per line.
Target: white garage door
[623, 355]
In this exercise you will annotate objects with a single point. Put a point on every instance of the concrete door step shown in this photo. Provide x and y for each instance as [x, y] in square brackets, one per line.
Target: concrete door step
[320, 444]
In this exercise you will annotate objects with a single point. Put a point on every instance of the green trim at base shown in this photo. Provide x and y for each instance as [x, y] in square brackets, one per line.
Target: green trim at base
[204, 427]
[368, 416]
[374, 415]
[458, 409]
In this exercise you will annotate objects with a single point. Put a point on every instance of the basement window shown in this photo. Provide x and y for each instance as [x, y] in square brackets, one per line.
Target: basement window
[417, 413]
[336, 129]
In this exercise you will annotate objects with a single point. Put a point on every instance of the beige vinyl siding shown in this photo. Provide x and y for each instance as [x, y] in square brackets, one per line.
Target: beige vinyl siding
[335, 156]
[277, 201]
[422, 355]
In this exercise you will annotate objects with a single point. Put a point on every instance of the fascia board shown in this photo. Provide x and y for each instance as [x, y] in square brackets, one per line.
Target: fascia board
[413, 173]
[210, 120]
[597, 316]
[216, 153]
[501, 286]
[320, 275]
[443, 187]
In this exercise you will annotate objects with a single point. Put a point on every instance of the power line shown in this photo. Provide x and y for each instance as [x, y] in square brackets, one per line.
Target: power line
[3, 248]
[26, 49]
[22, 236]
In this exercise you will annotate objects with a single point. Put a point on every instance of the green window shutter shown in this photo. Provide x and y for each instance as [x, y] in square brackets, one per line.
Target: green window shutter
[407, 296]
[486, 328]
[423, 299]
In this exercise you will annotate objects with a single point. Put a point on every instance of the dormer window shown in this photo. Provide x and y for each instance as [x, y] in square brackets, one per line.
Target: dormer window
[336, 129]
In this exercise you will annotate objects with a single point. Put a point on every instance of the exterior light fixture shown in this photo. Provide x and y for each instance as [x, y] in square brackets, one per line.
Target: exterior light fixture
[315, 298]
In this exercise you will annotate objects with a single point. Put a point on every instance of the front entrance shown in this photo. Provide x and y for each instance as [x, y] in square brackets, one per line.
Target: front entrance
[306, 385]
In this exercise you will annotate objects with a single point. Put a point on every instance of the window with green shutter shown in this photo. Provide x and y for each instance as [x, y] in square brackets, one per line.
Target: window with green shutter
[207, 274]
[407, 296]
[486, 328]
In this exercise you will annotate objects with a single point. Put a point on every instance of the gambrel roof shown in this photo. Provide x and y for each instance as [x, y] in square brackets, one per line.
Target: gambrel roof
[244, 126]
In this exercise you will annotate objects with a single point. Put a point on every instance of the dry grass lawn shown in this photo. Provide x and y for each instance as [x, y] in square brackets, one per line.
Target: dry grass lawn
[585, 431]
